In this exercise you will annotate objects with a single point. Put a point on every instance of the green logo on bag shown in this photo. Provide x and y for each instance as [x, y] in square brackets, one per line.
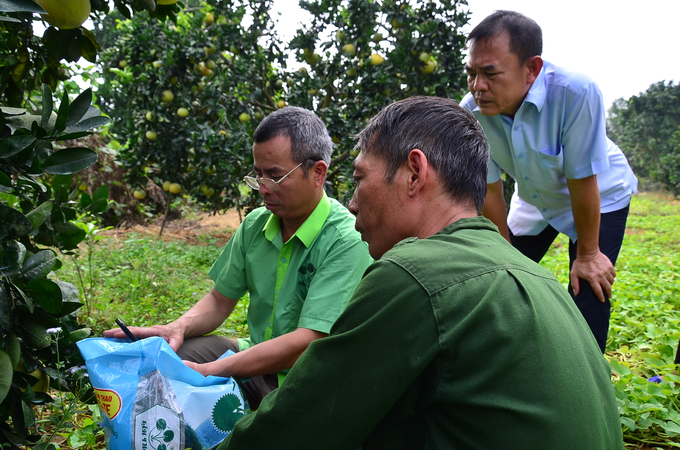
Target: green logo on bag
[226, 412]
[157, 428]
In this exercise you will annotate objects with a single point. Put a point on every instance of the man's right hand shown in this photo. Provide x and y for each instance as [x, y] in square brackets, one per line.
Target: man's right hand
[172, 334]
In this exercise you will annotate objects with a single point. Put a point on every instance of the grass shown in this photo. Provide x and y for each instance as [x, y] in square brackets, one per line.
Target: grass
[147, 282]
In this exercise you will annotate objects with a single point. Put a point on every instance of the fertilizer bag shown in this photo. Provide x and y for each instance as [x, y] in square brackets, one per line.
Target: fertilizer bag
[150, 400]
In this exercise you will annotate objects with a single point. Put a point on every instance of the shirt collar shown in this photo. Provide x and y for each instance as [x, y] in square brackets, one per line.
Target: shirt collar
[308, 230]
[537, 92]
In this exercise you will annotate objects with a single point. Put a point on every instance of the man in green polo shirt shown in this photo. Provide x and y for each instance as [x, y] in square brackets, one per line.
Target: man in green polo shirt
[299, 257]
[453, 339]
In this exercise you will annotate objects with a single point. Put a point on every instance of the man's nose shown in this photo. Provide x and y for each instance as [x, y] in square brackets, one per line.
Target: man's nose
[353, 204]
[479, 83]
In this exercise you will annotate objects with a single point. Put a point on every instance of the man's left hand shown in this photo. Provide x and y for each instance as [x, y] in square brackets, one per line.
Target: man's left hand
[597, 270]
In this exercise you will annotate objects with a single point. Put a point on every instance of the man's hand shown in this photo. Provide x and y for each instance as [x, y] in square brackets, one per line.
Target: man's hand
[172, 335]
[597, 270]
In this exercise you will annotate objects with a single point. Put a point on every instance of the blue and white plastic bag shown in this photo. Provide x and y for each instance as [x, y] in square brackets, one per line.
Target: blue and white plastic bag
[150, 400]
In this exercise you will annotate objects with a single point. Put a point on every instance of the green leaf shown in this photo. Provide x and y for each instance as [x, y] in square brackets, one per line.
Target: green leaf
[5, 312]
[618, 367]
[88, 124]
[69, 293]
[79, 107]
[36, 335]
[85, 200]
[17, 144]
[102, 193]
[38, 216]
[11, 257]
[69, 307]
[13, 349]
[47, 105]
[672, 428]
[69, 160]
[6, 373]
[75, 336]
[13, 224]
[5, 179]
[628, 423]
[9, 19]
[45, 293]
[99, 206]
[39, 265]
[62, 114]
[20, 6]
[69, 136]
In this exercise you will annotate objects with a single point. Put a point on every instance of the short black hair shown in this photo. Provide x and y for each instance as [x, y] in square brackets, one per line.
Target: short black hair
[450, 137]
[526, 36]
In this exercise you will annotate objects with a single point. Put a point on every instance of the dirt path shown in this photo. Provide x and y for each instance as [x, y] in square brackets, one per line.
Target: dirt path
[206, 229]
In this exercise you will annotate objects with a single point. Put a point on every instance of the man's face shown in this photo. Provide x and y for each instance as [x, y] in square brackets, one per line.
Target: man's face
[495, 77]
[296, 195]
[376, 204]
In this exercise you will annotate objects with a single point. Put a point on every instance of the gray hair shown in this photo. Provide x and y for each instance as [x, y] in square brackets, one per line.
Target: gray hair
[307, 133]
[449, 136]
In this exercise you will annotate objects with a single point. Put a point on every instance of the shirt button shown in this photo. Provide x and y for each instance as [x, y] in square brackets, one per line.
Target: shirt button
[526, 178]
[544, 209]
[535, 196]
[521, 155]
[516, 128]
[283, 260]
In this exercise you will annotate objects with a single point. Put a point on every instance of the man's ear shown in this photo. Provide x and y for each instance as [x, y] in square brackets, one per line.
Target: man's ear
[417, 165]
[534, 64]
[319, 170]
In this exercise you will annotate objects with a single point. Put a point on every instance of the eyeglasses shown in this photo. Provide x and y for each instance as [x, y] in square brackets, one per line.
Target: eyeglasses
[257, 181]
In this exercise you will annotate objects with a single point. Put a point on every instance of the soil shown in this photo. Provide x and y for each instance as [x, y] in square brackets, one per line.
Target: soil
[205, 229]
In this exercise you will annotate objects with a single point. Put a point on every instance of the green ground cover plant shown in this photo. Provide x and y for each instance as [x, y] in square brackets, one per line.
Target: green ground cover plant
[146, 281]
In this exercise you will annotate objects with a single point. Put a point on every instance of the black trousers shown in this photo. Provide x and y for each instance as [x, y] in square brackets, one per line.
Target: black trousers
[612, 231]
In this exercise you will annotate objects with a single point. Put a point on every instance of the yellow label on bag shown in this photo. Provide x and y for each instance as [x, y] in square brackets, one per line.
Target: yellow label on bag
[109, 402]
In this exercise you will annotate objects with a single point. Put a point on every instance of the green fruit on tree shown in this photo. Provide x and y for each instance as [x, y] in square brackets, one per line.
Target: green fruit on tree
[65, 14]
[204, 188]
[340, 35]
[258, 115]
[211, 170]
[312, 58]
[244, 117]
[376, 59]
[200, 86]
[424, 57]
[175, 188]
[396, 24]
[167, 97]
[234, 49]
[209, 19]
[210, 48]
[150, 116]
[210, 64]
[122, 63]
[377, 37]
[429, 67]
[173, 81]
[350, 49]
[210, 192]
[351, 72]
[279, 83]
[281, 104]
[166, 186]
[157, 64]
[182, 112]
[139, 194]
[151, 135]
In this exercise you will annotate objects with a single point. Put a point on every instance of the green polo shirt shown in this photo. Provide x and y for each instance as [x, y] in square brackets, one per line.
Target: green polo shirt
[302, 283]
